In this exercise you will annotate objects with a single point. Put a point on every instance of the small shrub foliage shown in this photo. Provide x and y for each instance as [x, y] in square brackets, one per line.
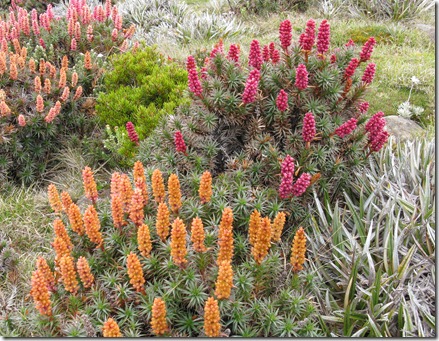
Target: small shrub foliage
[142, 87]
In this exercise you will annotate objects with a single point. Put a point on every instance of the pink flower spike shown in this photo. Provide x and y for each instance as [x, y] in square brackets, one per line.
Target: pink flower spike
[287, 172]
[309, 127]
[233, 53]
[301, 77]
[282, 100]
[377, 141]
[132, 134]
[323, 37]
[21, 120]
[255, 58]
[301, 184]
[369, 73]
[376, 123]
[350, 69]
[180, 145]
[193, 80]
[265, 53]
[307, 39]
[363, 107]
[346, 128]
[367, 49]
[350, 43]
[251, 87]
[285, 35]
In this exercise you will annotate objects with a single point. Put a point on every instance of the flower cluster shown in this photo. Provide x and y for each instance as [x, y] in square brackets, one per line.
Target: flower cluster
[68, 273]
[255, 58]
[346, 128]
[158, 186]
[369, 73]
[377, 136]
[212, 326]
[367, 49]
[233, 53]
[285, 35]
[282, 100]
[162, 222]
[54, 199]
[225, 236]
[301, 77]
[277, 226]
[90, 188]
[263, 240]
[307, 39]
[132, 134]
[298, 250]
[174, 193]
[135, 272]
[144, 240]
[93, 226]
[193, 80]
[251, 87]
[205, 189]
[197, 235]
[40, 293]
[323, 37]
[287, 170]
[180, 145]
[111, 329]
[158, 320]
[84, 272]
[309, 127]
[178, 242]
[224, 281]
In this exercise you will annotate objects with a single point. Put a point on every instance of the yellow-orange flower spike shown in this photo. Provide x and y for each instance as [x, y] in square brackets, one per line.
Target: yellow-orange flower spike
[54, 199]
[158, 186]
[60, 231]
[75, 219]
[253, 226]
[136, 207]
[84, 272]
[43, 267]
[90, 188]
[278, 226]
[117, 211]
[158, 320]
[61, 248]
[13, 71]
[111, 329]
[115, 184]
[197, 235]
[68, 274]
[66, 201]
[144, 240]
[135, 272]
[298, 250]
[87, 61]
[205, 190]
[212, 326]
[162, 221]
[225, 237]
[32, 65]
[262, 244]
[93, 225]
[47, 86]
[65, 62]
[126, 192]
[178, 242]
[224, 281]
[62, 79]
[140, 180]
[40, 293]
[174, 193]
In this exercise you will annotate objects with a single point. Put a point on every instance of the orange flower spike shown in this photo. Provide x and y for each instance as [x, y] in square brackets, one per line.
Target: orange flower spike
[136, 207]
[61, 248]
[52, 71]
[178, 242]
[2, 63]
[43, 267]
[40, 103]
[68, 274]
[126, 192]
[158, 186]
[37, 84]
[32, 65]
[140, 180]
[23, 53]
[13, 71]
[54, 199]
[42, 67]
[62, 79]
[212, 326]
[78, 93]
[115, 184]
[158, 320]
[162, 221]
[74, 79]
[144, 240]
[253, 226]
[75, 219]
[197, 235]
[205, 190]
[40, 293]
[135, 272]
[65, 62]
[65, 94]
[47, 86]
[84, 272]
[16, 45]
[93, 225]
[111, 329]
[225, 236]
[60, 231]
[21, 62]
[174, 193]
[117, 211]
[298, 250]
[66, 201]
[262, 244]
[224, 281]
[278, 226]
[90, 188]
[87, 61]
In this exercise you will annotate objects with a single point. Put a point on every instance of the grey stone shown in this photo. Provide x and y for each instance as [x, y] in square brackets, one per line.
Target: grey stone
[429, 29]
[403, 128]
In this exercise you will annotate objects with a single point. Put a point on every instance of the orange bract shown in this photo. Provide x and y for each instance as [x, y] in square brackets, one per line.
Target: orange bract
[90, 188]
[158, 320]
[224, 281]
[212, 318]
[40, 293]
[262, 243]
[68, 273]
[205, 190]
[197, 235]
[178, 242]
[298, 250]
[144, 240]
[54, 199]
[174, 193]
[158, 186]
[111, 329]
[135, 272]
[84, 272]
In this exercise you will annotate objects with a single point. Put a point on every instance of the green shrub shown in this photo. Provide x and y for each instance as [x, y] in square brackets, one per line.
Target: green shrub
[142, 87]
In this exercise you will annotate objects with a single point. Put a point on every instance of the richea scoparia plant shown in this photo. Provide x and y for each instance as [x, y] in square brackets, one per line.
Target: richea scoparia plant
[220, 251]
[287, 117]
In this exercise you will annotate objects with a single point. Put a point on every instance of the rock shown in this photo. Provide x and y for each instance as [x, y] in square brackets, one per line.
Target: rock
[402, 128]
[430, 30]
